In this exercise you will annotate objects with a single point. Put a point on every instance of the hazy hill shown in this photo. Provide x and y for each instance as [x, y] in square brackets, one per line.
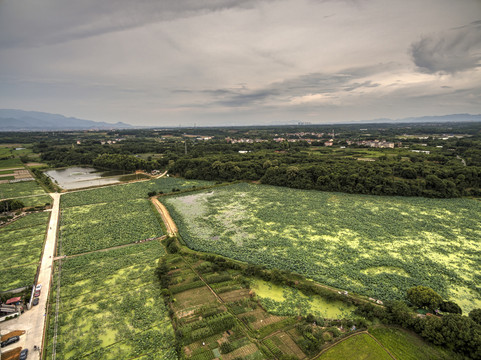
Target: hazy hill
[19, 120]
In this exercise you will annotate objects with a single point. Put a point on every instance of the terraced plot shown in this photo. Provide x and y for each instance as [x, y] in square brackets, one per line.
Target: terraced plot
[111, 307]
[376, 246]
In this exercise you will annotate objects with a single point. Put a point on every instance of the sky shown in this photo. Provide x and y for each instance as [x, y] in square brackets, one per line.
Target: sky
[240, 62]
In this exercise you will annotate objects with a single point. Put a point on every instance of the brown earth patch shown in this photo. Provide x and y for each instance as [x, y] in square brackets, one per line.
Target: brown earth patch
[12, 333]
[235, 295]
[11, 354]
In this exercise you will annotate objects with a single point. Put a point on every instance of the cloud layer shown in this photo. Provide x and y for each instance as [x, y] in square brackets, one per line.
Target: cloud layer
[240, 62]
[452, 51]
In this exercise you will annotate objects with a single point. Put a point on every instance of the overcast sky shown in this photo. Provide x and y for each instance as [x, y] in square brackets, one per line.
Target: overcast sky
[240, 62]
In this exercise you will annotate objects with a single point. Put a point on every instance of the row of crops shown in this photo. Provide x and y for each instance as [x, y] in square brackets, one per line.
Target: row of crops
[377, 246]
[111, 307]
[21, 245]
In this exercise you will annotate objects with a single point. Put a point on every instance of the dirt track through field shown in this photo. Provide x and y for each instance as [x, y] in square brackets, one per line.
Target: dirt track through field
[164, 213]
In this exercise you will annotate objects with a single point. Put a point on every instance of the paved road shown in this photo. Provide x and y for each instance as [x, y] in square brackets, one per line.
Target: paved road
[33, 320]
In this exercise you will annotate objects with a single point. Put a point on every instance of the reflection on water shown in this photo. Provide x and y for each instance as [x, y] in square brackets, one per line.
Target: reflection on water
[81, 177]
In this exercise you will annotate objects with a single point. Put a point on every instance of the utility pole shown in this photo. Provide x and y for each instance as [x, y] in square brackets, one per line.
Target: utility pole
[185, 142]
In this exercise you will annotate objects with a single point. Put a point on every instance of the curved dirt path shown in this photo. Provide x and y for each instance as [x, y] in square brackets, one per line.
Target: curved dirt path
[166, 218]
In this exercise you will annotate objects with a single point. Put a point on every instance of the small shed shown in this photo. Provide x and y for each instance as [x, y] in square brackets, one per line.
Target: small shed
[15, 301]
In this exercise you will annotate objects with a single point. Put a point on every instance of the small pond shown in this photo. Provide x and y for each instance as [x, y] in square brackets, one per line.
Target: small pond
[82, 177]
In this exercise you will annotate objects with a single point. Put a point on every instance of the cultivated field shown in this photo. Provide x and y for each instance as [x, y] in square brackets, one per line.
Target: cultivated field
[111, 307]
[20, 189]
[111, 216]
[104, 225]
[130, 191]
[376, 246]
[358, 347]
[20, 247]
[406, 345]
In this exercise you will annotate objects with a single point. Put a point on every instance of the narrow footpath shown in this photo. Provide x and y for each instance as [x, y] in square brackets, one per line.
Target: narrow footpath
[33, 321]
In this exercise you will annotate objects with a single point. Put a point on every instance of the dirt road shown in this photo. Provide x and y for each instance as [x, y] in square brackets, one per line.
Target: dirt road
[164, 213]
[33, 320]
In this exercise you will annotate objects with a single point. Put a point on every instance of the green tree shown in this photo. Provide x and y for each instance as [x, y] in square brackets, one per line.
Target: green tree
[424, 297]
[475, 315]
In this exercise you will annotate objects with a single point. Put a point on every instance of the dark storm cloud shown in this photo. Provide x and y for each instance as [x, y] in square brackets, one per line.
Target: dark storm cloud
[451, 52]
[314, 83]
[56, 21]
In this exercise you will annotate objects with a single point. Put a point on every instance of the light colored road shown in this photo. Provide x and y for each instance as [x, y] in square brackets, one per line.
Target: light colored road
[164, 213]
[33, 320]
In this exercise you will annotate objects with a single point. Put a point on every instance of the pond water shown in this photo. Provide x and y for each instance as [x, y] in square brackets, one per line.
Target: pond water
[82, 177]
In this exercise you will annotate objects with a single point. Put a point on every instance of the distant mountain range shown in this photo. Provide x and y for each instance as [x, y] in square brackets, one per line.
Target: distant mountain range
[19, 120]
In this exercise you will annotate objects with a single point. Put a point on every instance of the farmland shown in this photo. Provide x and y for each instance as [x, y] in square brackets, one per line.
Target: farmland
[130, 191]
[359, 347]
[375, 246]
[20, 189]
[21, 244]
[111, 216]
[408, 346]
[110, 307]
[104, 225]
[282, 300]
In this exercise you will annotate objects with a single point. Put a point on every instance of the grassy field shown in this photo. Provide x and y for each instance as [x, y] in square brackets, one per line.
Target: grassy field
[20, 189]
[405, 345]
[359, 347]
[376, 246]
[20, 248]
[111, 307]
[104, 225]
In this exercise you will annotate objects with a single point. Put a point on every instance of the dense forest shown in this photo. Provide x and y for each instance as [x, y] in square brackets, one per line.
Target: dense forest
[431, 160]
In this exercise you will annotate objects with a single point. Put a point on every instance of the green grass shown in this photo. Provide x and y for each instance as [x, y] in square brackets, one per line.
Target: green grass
[372, 245]
[359, 347]
[405, 345]
[20, 189]
[99, 226]
[111, 307]
[6, 172]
